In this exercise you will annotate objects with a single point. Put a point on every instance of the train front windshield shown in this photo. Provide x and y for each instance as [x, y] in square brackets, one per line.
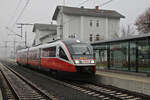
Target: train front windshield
[81, 51]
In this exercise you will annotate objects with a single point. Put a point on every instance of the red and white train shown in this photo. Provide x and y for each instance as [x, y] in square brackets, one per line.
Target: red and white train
[70, 57]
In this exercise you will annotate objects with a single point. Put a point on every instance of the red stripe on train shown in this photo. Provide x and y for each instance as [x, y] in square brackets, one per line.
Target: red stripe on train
[57, 64]
[33, 62]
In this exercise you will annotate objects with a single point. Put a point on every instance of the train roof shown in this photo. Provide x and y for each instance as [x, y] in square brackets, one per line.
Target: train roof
[72, 41]
[53, 43]
[22, 50]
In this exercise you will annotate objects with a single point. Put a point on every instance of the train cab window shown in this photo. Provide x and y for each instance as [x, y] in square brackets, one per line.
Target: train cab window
[49, 52]
[62, 54]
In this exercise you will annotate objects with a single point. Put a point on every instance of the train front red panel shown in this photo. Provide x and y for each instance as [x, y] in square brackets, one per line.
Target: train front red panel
[57, 64]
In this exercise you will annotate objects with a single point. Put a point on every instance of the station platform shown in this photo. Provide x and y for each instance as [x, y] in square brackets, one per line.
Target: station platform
[126, 80]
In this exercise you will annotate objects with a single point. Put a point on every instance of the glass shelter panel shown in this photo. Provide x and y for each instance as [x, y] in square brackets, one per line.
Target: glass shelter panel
[119, 56]
[133, 56]
[144, 55]
[101, 56]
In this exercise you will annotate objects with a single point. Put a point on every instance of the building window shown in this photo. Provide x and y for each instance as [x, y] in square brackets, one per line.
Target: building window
[90, 38]
[91, 23]
[72, 35]
[97, 23]
[97, 37]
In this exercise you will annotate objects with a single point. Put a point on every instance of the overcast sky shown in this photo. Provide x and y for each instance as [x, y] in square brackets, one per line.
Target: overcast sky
[41, 11]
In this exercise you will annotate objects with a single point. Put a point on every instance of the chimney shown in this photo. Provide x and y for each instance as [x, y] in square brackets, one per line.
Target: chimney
[97, 8]
[82, 6]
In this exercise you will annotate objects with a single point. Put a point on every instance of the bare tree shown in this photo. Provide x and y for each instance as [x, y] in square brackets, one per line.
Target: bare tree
[127, 31]
[143, 22]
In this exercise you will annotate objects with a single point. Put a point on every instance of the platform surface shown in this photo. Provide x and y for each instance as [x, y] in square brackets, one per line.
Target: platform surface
[136, 83]
[124, 76]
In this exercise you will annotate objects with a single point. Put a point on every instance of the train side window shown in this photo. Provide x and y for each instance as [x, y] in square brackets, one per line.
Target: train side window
[52, 52]
[49, 52]
[62, 54]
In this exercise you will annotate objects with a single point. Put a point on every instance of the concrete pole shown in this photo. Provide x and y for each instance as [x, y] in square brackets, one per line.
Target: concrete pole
[6, 48]
[21, 30]
[25, 39]
[106, 29]
[14, 48]
[61, 24]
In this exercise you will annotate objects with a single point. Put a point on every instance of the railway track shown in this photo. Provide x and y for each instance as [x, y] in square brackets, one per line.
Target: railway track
[104, 93]
[108, 93]
[101, 91]
[7, 93]
[21, 88]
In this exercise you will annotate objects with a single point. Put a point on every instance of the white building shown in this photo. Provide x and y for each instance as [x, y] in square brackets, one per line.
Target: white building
[44, 33]
[85, 24]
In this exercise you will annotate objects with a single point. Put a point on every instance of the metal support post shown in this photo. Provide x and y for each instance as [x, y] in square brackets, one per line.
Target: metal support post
[137, 57]
[129, 65]
[108, 55]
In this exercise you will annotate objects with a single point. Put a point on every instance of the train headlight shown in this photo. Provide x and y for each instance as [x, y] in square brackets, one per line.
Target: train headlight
[92, 61]
[76, 61]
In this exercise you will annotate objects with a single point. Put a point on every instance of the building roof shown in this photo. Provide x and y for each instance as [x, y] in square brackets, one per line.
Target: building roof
[134, 37]
[44, 27]
[87, 12]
